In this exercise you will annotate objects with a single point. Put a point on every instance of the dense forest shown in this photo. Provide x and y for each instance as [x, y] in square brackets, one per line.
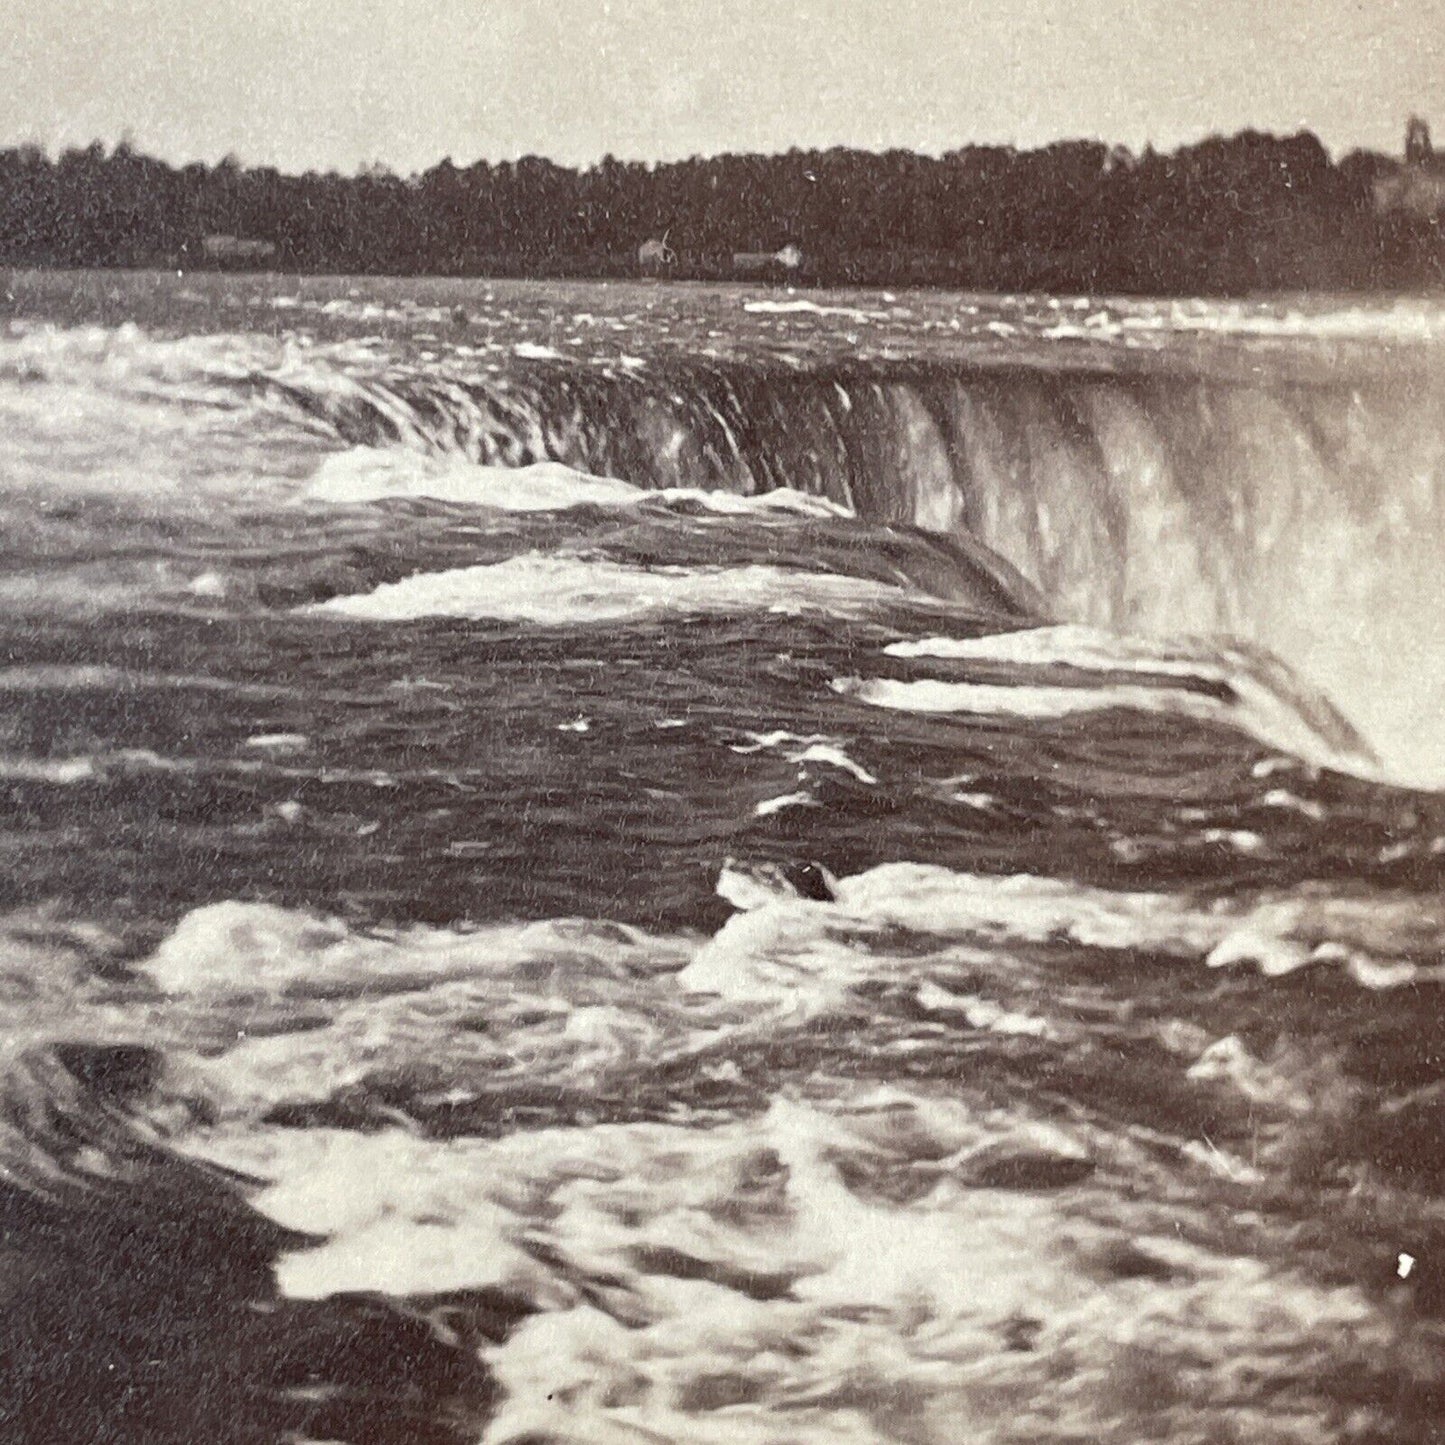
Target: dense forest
[1234, 214]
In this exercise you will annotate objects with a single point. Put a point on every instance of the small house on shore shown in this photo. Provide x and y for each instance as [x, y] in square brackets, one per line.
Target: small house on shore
[655, 254]
[762, 262]
[236, 248]
[1417, 188]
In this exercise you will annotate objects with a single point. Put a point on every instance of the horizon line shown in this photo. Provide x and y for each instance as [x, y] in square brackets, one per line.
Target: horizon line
[126, 140]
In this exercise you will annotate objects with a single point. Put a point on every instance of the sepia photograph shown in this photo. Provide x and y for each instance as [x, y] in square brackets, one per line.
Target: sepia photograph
[722, 725]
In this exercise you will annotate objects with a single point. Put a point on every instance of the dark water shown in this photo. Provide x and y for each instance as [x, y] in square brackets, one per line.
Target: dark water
[603, 863]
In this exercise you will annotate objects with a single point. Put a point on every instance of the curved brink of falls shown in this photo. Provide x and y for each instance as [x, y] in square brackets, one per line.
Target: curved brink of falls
[1302, 518]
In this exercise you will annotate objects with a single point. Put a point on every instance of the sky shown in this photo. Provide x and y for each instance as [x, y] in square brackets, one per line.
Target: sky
[336, 84]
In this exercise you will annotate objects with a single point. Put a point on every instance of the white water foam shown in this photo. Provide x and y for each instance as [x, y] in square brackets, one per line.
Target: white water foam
[799, 951]
[803, 750]
[1268, 705]
[1276, 727]
[1399, 322]
[373, 474]
[1071, 645]
[811, 308]
[836, 1271]
[576, 1004]
[536, 351]
[782, 950]
[1406, 322]
[309, 1008]
[780, 499]
[119, 412]
[239, 950]
[558, 591]
[87, 767]
[769, 806]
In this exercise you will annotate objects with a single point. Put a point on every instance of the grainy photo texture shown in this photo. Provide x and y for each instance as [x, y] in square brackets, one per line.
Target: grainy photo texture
[722, 724]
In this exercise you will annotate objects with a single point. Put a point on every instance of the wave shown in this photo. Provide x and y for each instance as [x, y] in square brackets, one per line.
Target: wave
[1278, 727]
[371, 474]
[1398, 322]
[1050, 672]
[804, 307]
[561, 591]
[790, 947]
[466, 1022]
[374, 474]
[86, 767]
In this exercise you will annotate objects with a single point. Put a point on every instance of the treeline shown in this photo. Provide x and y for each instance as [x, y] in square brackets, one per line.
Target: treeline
[1231, 214]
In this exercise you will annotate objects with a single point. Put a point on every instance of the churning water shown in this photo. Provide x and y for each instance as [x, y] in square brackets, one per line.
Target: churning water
[602, 863]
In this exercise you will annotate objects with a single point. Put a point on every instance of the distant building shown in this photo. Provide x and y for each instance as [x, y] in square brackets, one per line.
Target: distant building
[788, 259]
[654, 254]
[1416, 188]
[235, 248]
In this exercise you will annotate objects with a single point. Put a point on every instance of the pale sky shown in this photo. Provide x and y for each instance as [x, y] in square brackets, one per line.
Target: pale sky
[338, 83]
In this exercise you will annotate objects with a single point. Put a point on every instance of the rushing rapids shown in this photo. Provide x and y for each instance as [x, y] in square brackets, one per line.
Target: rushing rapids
[637, 863]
